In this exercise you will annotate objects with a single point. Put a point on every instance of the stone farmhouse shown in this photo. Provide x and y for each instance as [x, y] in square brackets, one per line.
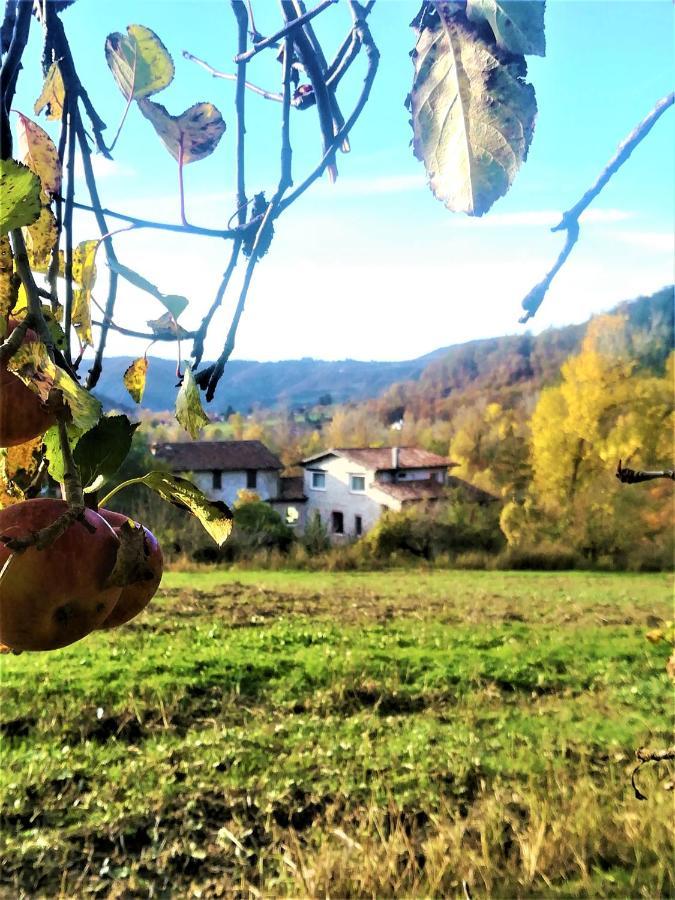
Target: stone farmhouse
[349, 487]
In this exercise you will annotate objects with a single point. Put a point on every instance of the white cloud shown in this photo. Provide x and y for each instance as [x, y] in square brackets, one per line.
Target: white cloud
[656, 241]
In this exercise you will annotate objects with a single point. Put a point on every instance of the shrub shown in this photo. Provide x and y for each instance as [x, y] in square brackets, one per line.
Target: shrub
[316, 538]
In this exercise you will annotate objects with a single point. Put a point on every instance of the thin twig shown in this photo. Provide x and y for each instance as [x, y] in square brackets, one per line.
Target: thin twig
[144, 335]
[198, 344]
[71, 106]
[240, 14]
[90, 179]
[226, 233]
[291, 26]
[268, 95]
[635, 476]
[10, 72]
[285, 180]
[315, 73]
[570, 219]
[373, 57]
[11, 345]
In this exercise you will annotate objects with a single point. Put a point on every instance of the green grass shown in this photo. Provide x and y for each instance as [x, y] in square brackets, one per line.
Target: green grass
[346, 735]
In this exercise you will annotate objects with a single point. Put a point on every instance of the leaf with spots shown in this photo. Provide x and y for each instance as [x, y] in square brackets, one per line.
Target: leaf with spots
[140, 63]
[518, 25]
[19, 196]
[189, 137]
[84, 273]
[8, 283]
[134, 378]
[31, 363]
[214, 515]
[189, 411]
[472, 111]
[53, 94]
[39, 153]
[41, 238]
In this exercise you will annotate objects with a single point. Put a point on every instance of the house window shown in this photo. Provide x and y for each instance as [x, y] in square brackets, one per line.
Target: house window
[338, 522]
[357, 483]
[251, 479]
[319, 481]
[217, 480]
[400, 476]
[358, 526]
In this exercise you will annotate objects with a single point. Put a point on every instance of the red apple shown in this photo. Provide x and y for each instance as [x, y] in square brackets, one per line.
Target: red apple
[53, 597]
[22, 414]
[135, 597]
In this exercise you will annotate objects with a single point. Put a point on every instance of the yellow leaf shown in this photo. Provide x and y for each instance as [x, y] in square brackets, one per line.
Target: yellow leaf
[53, 94]
[84, 273]
[139, 61]
[40, 240]
[18, 465]
[134, 378]
[214, 515]
[189, 410]
[39, 153]
[8, 283]
[31, 363]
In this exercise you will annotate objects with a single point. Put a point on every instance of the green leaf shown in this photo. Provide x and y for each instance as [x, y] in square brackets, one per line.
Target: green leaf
[102, 450]
[53, 94]
[196, 131]
[173, 302]
[134, 378]
[214, 515]
[472, 112]
[189, 412]
[140, 63]
[39, 153]
[518, 25]
[19, 195]
[31, 363]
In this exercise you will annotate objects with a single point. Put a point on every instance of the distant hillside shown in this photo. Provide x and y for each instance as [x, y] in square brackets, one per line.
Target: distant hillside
[269, 384]
[507, 368]
[512, 370]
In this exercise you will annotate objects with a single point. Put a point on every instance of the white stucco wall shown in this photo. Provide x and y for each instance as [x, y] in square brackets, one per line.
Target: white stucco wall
[337, 497]
[232, 482]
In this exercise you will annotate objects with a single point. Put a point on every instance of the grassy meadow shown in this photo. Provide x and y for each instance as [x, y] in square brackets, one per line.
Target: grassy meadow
[346, 735]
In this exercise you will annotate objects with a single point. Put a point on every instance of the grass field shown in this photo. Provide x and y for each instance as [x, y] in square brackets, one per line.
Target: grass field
[386, 734]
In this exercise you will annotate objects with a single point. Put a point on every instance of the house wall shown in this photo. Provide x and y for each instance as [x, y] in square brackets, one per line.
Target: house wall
[232, 482]
[338, 498]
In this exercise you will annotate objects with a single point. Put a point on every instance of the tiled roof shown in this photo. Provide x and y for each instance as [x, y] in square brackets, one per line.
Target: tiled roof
[426, 489]
[227, 456]
[291, 487]
[382, 458]
[430, 489]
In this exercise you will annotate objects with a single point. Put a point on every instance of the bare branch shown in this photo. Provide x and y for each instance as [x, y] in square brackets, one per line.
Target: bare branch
[240, 14]
[9, 347]
[10, 72]
[312, 66]
[570, 219]
[635, 476]
[268, 95]
[291, 26]
[226, 233]
[144, 335]
[198, 345]
[373, 57]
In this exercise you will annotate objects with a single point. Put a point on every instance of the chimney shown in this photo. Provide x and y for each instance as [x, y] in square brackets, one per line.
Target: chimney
[394, 457]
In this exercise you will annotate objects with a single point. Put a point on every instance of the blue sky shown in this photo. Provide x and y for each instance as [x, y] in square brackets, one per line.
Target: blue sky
[374, 267]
